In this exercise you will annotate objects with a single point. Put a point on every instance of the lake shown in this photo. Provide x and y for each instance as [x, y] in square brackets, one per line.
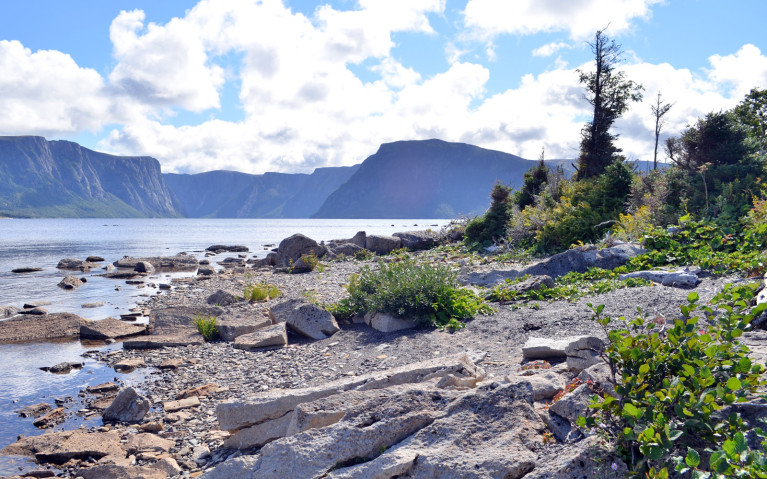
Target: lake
[43, 242]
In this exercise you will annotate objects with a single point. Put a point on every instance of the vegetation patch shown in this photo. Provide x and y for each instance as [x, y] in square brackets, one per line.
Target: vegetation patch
[261, 292]
[410, 289]
[673, 379]
[206, 326]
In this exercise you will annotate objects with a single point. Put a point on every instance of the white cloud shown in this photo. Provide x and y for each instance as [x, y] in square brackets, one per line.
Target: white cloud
[550, 49]
[47, 93]
[744, 70]
[580, 19]
[163, 65]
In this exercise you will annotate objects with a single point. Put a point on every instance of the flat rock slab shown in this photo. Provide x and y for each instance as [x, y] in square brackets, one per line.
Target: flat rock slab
[114, 471]
[234, 415]
[232, 325]
[273, 336]
[545, 348]
[173, 406]
[36, 328]
[60, 447]
[181, 262]
[129, 365]
[158, 341]
[109, 328]
[26, 269]
[199, 391]
[178, 319]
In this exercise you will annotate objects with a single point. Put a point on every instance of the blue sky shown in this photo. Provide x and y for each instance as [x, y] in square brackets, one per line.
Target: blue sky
[271, 85]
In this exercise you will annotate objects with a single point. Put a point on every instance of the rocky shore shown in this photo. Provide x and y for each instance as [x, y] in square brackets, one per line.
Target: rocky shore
[291, 392]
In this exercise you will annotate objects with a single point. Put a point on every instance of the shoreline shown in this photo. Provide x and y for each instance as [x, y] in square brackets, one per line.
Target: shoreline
[195, 440]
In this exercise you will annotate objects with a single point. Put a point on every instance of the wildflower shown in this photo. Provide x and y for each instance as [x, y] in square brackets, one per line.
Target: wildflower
[614, 466]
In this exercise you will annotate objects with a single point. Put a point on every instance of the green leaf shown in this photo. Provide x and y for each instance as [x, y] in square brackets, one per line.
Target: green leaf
[733, 384]
[693, 458]
[693, 297]
[644, 369]
[631, 410]
[674, 435]
[741, 445]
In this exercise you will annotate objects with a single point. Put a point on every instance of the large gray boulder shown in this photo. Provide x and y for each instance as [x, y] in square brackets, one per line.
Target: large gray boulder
[75, 264]
[304, 318]
[417, 240]
[274, 336]
[129, 406]
[71, 282]
[293, 247]
[380, 244]
[677, 279]
[584, 257]
[222, 298]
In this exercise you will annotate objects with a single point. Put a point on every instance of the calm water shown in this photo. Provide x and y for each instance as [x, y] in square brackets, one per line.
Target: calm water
[43, 242]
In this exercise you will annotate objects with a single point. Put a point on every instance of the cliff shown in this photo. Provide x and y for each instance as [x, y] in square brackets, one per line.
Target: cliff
[62, 179]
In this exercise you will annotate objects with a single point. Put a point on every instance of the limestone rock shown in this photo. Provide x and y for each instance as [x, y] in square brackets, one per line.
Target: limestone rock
[71, 282]
[74, 264]
[417, 240]
[144, 442]
[587, 458]
[267, 337]
[157, 341]
[40, 327]
[109, 328]
[129, 365]
[180, 262]
[233, 325]
[387, 323]
[584, 352]
[380, 244]
[26, 269]
[8, 311]
[677, 279]
[220, 248]
[199, 391]
[546, 384]
[128, 407]
[186, 403]
[34, 410]
[206, 271]
[304, 318]
[114, 471]
[50, 419]
[144, 267]
[573, 404]
[293, 247]
[346, 249]
[584, 257]
[60, 447]
[222, 298]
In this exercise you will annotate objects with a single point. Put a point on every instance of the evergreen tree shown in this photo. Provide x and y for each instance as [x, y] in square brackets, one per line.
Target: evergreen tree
[609, 92]
[535, 179]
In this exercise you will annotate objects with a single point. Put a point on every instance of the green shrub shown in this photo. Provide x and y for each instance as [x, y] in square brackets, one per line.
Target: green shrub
[491, 227]
[261, 292]
[408, 289]
[671, 381]
[206, 325]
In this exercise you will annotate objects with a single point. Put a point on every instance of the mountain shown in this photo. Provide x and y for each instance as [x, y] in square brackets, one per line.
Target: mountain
[62, 179]
[424, 179]
[230, 194]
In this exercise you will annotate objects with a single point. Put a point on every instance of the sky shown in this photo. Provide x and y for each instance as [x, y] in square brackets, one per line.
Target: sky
[291, 85]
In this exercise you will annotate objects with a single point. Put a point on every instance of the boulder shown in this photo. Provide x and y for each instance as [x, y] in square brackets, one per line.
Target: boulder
[677, 279]
[26, 269]
[234, 324]
[37, 311]
[102, 388]
[358, 239]
[180, 262]
[94, 259]
[346, 249]
[545, 383]
[74, 264]
[40, 327]
[222, 298]
[293, 247]
[582, 258]
[144, 267]
[387, 323]
[380, 244]
[60, 447]
[305, 318]
[301, 266]
[533, 283]
[50, 419]
[35, 410]
[129, 365]
[179, 320]
[206, 271]
[71, 282]
[584, 352]
[417, 240]
[62, 368]
[268, 337]
[109, 328]
[128, 406]
[578, 347]
[573, 404]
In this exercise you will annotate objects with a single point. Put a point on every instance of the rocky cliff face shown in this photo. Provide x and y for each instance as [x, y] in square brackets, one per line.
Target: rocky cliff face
[62, 179]
[424, 179]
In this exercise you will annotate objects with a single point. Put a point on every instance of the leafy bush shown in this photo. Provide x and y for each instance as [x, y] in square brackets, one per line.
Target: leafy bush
[568, 287]
[673, 379]
[261, 292]
[491, 227]
[720, 246]
[206, 326]
[633, 227]
[409, 289]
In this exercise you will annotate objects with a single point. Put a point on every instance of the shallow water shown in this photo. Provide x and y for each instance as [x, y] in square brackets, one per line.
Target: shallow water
[43, 242]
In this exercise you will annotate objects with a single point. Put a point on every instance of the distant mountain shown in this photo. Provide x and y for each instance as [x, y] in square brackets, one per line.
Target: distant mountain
[424, 179]
[230, 194]
[43, 178]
